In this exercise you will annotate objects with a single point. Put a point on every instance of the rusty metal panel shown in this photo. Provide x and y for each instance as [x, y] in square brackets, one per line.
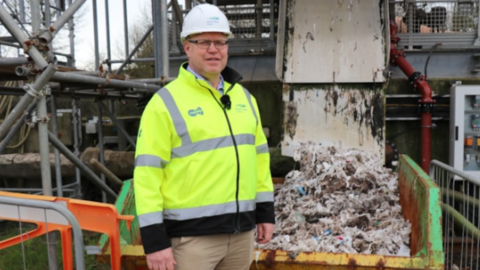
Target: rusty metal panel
[330, 115]
[334, 41]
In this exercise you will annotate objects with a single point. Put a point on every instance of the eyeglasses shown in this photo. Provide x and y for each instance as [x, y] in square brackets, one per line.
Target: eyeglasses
[205, 44]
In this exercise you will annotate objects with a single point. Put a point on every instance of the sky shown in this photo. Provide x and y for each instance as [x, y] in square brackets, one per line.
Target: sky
[84, 37]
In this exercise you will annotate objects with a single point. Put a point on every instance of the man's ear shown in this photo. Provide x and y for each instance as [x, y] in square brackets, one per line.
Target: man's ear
[186, 47]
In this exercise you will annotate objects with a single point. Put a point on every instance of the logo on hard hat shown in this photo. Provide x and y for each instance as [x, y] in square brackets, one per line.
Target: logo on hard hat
[213, 20]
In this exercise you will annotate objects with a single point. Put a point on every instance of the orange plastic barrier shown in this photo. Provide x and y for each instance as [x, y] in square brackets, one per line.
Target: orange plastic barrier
[91, 216]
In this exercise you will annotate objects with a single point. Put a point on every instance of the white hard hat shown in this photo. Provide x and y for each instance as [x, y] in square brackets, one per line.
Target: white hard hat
[205, 18]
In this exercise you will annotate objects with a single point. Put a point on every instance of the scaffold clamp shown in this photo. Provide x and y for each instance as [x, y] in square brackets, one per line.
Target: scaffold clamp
[31, 91]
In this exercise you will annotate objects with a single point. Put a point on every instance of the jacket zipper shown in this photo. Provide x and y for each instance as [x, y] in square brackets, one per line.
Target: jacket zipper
[236, 220]
[237, 214]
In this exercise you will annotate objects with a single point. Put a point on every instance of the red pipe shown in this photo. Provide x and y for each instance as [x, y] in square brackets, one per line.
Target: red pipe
[419, 81]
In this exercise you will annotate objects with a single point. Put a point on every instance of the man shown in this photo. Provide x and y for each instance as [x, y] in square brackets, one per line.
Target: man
[202, 179]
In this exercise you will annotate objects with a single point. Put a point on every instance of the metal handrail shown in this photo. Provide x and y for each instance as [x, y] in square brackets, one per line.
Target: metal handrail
[461, 214]
[449, 168]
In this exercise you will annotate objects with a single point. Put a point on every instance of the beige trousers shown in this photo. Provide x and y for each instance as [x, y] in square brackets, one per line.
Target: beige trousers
[214, 252]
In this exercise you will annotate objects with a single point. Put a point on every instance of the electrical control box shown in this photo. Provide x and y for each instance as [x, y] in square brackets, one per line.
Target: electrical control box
[465, 128]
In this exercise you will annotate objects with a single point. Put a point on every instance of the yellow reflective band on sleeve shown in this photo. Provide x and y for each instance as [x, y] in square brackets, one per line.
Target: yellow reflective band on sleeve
[211, 144]
[264, 197]
[249, 97]
[209, 210]
[150, 161]
[150, 219]
[178, 121]
[262, 149]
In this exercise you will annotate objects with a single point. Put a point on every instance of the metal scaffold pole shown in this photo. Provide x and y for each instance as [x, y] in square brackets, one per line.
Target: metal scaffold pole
[42, 121]
[100, 143]
[71, 35]
[107, 29]
[76, 140]
[95, 34]
[160, 38]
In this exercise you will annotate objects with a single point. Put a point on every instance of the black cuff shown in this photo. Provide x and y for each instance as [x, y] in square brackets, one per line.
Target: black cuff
[154, 238]
[265, 213]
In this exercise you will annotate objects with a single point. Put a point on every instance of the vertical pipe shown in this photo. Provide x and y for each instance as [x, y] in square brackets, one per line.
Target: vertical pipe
[157, 37]
[272, 20]
[125, 27]
[478, 28]
[426, 135]
[57, 4]
[43, 146]
[95, 34]
[76, 147]
[22, 11]
[165, 53]
[35, 9]
[160, 37]
[259, 10]
[42, 114]
[44, 151]
[174, 49]
[58, 168]
[47, 14]
[71, 35]
[111, 102]
[426, 103]
[53, 104]
[177, 11]
[111, 105]
[107, 22]
[100, 144]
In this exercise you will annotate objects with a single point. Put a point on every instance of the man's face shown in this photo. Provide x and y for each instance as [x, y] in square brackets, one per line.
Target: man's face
[208, 62]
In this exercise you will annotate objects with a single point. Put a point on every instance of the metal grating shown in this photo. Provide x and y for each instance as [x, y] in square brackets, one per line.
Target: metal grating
[430, 17]
[430, 24]
[250, 21]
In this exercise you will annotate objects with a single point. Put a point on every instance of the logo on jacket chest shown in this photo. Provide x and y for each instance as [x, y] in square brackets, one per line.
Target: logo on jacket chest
[240, 108]
[195, 112]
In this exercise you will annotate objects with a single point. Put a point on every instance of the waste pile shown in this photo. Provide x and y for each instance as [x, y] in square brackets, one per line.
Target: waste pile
[339, 201]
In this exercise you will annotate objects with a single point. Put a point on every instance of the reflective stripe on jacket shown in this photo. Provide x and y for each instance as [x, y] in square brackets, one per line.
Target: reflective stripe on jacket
[210, 164]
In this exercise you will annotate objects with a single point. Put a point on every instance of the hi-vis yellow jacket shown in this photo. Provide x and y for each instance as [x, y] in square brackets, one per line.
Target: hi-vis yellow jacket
[201, 168]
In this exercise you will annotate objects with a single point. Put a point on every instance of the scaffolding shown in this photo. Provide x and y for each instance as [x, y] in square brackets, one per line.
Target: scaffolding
[34, 24]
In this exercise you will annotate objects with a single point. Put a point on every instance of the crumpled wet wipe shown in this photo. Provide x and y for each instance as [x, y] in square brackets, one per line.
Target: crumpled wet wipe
[340, 201]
